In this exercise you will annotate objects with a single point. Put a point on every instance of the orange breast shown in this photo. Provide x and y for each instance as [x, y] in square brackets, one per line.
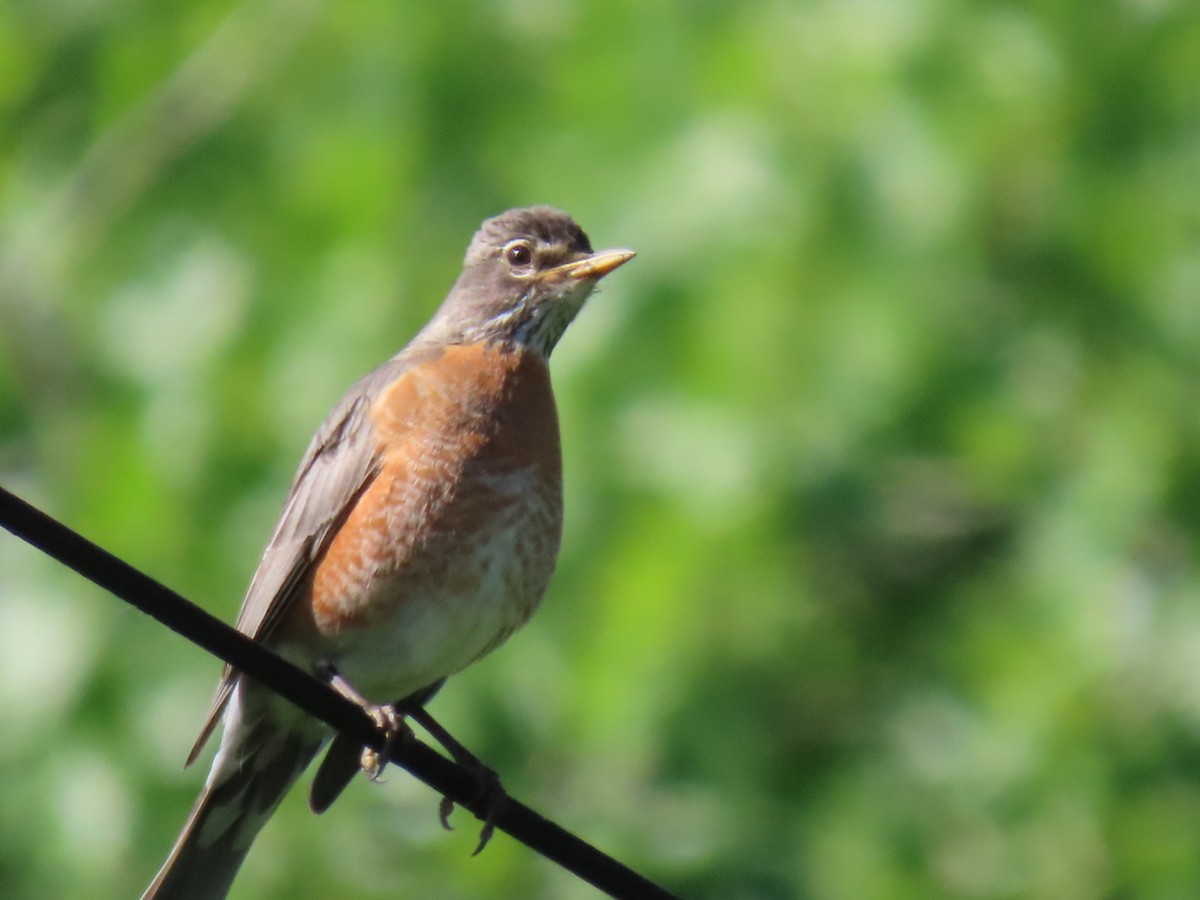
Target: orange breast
[470, 449]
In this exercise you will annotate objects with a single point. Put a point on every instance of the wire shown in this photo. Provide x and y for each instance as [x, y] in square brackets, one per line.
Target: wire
[316, 698]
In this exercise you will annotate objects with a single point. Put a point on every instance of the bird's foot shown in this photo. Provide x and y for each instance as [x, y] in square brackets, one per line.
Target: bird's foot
[391, 722]
[346, 757]
[489, 793]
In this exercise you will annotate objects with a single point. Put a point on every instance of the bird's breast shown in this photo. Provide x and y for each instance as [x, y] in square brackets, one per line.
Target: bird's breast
[450, 547]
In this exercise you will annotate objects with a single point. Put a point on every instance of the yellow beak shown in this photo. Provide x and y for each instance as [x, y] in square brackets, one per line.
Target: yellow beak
[595, 266]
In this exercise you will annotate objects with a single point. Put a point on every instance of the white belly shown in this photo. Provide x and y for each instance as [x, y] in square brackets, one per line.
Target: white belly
[444, 612]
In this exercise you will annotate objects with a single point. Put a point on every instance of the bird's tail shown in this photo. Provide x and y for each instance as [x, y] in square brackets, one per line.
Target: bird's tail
[257, 763]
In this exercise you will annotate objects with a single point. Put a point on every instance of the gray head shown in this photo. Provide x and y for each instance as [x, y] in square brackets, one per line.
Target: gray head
[526, 275]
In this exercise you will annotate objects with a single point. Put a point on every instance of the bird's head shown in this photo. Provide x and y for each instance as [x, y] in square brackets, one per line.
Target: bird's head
[526, 275]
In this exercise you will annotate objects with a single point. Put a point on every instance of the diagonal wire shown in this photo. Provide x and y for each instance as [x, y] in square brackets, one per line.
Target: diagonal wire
[315, 697]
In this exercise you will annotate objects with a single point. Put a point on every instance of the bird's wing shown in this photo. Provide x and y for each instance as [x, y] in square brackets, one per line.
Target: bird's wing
[341, 462]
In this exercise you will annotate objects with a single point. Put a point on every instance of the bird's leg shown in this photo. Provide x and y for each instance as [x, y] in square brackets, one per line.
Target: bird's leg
[345, 756]
[387, 718]
[490, 792]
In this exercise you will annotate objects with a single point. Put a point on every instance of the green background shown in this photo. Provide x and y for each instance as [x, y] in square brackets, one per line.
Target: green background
[882, 459]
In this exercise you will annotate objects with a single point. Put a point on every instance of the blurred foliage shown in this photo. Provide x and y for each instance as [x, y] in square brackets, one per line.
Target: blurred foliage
[883, 458]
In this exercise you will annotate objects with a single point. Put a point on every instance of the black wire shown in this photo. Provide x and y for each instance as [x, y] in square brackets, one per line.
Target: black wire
[315, 697]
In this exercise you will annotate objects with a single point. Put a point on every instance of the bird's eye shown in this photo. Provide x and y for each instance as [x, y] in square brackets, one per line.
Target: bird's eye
[518, 253]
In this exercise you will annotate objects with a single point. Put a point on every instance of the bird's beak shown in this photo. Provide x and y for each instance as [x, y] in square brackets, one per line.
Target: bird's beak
[594, 267]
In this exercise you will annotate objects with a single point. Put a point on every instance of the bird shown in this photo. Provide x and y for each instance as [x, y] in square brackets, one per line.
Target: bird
[420, 531]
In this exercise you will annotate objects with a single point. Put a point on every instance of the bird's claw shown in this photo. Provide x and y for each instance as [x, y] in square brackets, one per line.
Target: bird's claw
[495, 799]
[388, 720]
[490, 794]
[485, 835]
[372, 765]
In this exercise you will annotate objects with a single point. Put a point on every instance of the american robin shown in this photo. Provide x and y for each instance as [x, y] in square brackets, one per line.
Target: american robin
[419, 533]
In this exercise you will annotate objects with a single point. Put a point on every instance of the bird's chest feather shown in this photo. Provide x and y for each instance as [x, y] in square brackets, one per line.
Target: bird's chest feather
[451, 546]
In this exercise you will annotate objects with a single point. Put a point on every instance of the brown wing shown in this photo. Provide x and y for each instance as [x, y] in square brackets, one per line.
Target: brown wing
[338, 466]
